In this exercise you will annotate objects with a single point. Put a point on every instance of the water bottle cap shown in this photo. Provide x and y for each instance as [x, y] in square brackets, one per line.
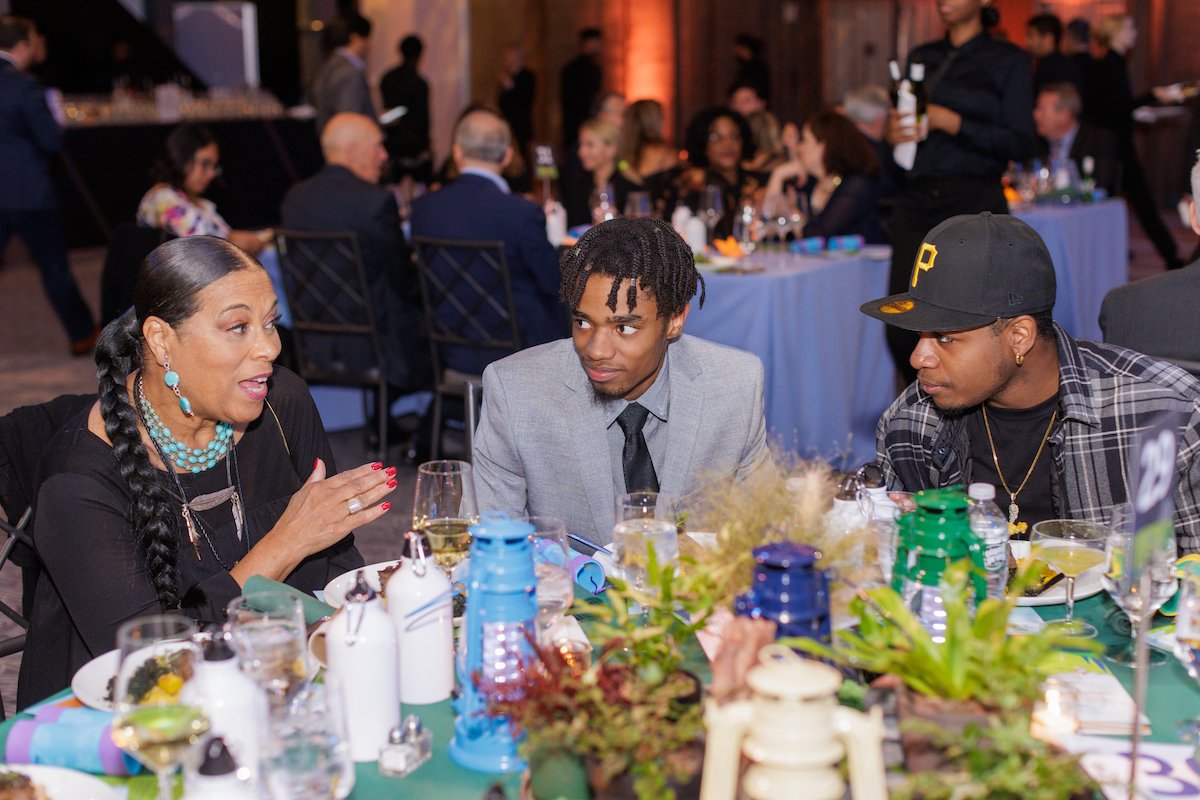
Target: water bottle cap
[361, 591]
[981, 491]
[218, 648]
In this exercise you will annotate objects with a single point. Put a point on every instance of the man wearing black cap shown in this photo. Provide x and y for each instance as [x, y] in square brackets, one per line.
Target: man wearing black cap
[1005, 396]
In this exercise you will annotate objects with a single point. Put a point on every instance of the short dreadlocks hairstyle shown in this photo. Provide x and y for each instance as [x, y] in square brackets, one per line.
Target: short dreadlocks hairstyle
[646, 251]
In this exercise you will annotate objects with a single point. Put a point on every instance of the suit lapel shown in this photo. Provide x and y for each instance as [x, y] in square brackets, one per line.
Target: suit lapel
[683, 423]
[590, 443]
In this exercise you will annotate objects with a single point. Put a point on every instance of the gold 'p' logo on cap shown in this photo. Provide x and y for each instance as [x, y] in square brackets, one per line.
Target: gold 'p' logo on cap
[925, 258]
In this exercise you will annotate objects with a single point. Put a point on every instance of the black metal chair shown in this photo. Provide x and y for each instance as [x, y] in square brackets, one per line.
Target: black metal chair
[333, 325]
[467, 295]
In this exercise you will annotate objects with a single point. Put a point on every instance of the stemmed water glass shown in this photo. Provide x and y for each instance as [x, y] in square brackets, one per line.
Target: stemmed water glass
[1187, 646]
[745, 229]
[1126, 591]
[308, 757]
[712, 207]
[153, 721]
[444, 509]
[267, 632]
[1072, 547]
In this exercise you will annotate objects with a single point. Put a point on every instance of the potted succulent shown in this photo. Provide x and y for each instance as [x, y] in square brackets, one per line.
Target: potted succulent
[963, 703]
[630, 724]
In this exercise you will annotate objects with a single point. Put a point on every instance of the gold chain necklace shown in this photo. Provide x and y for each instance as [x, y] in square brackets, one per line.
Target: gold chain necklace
[1013, 508]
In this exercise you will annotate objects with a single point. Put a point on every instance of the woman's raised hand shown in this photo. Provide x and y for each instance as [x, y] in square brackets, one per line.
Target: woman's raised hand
[325, 509]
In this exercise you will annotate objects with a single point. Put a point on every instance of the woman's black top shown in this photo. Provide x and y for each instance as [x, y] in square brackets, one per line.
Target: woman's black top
[577, 195]
[990, 84]
[852, 209]
[93, 579]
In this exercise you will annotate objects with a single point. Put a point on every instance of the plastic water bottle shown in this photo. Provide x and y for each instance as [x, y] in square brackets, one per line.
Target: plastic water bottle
[990, 525]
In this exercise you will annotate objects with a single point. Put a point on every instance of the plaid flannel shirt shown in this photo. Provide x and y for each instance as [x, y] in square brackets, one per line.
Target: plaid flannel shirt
[1106, 396]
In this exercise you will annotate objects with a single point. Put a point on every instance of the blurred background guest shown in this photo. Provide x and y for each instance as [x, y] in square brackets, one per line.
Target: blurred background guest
[644, 149]
[518, 88]
[29, 136]
[765, 139]
[189, 162]
[752, 69]
[341, 85]
[980, 117]
[718, 142]
[1108, 102]
[610, 108]
[408, 137]
[867, 107]
[746, 98]
[598, 143]
[165, 534]
[1066, 138]
[1043, 38]
[839, 178]
[580, 84]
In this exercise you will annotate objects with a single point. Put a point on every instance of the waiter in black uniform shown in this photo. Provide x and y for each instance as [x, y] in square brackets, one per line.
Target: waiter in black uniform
[980, 102]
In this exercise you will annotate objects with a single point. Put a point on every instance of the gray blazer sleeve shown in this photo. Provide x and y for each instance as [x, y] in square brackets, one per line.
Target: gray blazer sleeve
[499, 475]
[756, 455]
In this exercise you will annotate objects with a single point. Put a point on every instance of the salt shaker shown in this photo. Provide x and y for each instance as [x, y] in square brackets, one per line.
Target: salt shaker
[408, 747]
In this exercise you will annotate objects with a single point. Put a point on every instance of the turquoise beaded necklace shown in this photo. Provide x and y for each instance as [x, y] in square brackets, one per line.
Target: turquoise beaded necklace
[194, 459]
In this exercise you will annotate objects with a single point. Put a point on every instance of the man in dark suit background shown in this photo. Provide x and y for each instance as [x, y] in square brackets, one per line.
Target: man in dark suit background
[345, 196]
[477, 206]
[518, 87]
[29, 135]
[1043, 39]
[408, 137]
[1056, 117]
[580, 85]
[1157, 316]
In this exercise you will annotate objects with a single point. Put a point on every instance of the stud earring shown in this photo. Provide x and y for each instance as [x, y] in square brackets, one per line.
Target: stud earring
[171, 379]
[1020, 359]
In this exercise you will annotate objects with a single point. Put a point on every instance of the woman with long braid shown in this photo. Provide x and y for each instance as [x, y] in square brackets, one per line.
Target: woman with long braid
[199, 466]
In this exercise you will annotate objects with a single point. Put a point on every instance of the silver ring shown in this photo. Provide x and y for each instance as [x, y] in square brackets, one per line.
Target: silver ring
[355, 505]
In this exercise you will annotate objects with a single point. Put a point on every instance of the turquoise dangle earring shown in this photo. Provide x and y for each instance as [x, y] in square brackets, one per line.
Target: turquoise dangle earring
[171, 379]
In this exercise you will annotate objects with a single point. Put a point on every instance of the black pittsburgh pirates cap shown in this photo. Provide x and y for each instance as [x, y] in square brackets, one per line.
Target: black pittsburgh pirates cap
[970, 271]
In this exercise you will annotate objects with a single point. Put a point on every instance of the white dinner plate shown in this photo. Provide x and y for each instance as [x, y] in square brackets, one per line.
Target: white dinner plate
[90, 683]
[335, 590]
[1088, 584]
[65, 784]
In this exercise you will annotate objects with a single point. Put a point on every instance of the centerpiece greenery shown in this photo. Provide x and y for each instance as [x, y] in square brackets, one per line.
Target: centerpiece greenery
[633, 714]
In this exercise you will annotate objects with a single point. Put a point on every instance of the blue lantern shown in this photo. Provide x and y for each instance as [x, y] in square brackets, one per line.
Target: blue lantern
[495, 648]
[789, 590]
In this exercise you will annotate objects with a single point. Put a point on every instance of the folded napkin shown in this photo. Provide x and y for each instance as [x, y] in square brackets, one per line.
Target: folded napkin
[314, 609]
[75, 738]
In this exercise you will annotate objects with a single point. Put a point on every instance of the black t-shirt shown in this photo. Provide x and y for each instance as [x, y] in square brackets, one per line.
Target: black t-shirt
[1017, 433]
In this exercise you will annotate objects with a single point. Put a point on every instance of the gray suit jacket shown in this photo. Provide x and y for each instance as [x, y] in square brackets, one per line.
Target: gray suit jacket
[541, 446]
[340, 86]
[1156, 316]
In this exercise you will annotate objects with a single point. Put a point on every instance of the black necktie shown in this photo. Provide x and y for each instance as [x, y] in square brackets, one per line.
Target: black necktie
[635, 457]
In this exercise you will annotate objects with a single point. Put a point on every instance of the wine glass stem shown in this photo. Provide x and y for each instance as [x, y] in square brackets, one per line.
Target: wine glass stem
[166, 784]
[1070, 617]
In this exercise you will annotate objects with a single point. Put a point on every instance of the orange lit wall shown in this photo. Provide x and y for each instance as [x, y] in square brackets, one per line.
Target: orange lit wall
[640, 51]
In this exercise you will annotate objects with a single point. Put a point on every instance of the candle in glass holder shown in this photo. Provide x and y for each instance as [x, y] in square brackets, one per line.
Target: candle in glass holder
[574, 654]
[1057, 712]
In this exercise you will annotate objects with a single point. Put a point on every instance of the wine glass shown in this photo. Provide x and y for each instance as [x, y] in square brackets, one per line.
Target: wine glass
[603, 205]
[1187, 646]
[712, 207]
[267, 632]
[1126, 590]
[153, 723]
[1072, 547]
[444, 509]
[645, 505]
[745, 229]
[631, 544]
[308, 756]
[551, 554]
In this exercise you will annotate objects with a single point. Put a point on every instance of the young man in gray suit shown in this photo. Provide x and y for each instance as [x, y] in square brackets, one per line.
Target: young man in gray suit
[629, 403]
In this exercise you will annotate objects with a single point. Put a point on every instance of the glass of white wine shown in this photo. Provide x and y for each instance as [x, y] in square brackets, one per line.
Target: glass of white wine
[1126, 589]
[152, 723]
[268, 634]
[444, 509]
[1072, 547]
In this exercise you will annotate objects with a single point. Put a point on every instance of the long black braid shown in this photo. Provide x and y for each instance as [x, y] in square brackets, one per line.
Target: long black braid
[648, 252]
[151, 511]
[167, 286]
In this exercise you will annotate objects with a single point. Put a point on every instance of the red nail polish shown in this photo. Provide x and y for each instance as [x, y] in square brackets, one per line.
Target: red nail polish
[391, 484]
[377, 465]
[316, 461]
[385, 506]
[390, 471]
